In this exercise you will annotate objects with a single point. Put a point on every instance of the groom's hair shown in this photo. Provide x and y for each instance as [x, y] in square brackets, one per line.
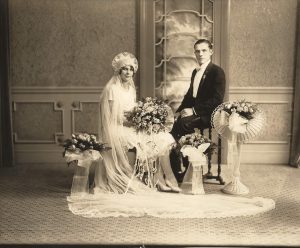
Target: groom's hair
[210, 45]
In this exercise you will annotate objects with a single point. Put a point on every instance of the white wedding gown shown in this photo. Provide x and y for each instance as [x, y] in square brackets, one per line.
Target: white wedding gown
[118, 192]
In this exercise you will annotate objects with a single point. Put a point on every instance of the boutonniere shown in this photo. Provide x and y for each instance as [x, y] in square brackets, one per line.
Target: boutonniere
[204, 76]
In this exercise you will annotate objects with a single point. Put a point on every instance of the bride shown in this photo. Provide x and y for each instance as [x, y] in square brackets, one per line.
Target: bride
[115, 173]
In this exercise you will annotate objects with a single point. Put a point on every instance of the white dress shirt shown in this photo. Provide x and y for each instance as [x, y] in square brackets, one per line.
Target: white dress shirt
[198, 77]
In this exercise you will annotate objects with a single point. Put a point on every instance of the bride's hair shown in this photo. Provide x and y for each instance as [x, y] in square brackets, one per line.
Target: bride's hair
[123, 67]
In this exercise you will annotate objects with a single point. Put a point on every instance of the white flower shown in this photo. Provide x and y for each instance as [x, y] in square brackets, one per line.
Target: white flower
[149, 109]
[155, 120]
[228, 106]
[246, 109]
[239, 109]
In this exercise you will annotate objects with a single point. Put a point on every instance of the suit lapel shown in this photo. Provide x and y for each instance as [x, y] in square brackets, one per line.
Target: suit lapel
[203, 79]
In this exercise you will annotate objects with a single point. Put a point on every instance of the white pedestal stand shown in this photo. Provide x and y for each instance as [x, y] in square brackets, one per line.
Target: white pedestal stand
[193, 182]
[235, 187]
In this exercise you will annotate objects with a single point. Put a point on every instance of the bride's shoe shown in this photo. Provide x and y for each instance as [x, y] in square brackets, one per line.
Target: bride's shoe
[173, 188]
[161, 187]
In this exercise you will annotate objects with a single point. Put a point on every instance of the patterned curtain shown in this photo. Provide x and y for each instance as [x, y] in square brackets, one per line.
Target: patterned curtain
[178, 24]
[6, 145]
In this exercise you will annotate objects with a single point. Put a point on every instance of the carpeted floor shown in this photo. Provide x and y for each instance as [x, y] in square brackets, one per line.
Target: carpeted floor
[34, 210]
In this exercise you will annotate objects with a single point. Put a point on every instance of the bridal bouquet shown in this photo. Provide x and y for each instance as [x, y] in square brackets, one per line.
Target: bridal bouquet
[150, 115]
[242, 107]
[82, 147]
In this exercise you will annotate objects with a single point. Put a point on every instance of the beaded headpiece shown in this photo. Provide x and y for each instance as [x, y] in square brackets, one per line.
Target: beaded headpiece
[124, 59]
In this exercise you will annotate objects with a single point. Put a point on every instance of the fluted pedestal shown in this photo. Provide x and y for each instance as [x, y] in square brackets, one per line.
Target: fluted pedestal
[236, 187]
[80, 184]
[193, 182]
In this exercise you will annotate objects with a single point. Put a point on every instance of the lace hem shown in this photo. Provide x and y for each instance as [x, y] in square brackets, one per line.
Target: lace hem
[167, 205]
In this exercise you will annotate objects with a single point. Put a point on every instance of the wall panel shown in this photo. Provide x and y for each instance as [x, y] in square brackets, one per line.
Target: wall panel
[273, 143]
[45, 116]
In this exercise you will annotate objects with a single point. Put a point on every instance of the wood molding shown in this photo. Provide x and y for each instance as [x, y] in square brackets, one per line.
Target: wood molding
[261, 90]
[56, 90]
[56, 136]
[77, 107]
[146, 48]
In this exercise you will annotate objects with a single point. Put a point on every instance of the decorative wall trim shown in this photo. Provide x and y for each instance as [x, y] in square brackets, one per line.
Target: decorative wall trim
[261, 90]
[275, 142]
[264, 157]
[77, 106]
[56, 136]
[56, 90]
[56, 139]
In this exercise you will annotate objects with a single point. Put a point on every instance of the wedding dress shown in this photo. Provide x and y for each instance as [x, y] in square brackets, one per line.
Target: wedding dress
[114, 173]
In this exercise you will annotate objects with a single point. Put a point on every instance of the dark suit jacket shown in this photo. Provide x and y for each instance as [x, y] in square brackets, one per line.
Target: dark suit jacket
[210, 93]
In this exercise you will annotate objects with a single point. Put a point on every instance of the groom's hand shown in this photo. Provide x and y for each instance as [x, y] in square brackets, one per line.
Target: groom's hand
[186, 112]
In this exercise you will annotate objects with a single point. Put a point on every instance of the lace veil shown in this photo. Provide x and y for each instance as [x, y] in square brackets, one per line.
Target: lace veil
[114, 173]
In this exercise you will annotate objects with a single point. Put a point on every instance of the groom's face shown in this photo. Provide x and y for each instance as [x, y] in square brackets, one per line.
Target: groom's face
[203, 53]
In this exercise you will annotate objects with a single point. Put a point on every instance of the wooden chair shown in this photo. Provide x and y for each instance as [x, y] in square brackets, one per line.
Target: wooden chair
[209, 174]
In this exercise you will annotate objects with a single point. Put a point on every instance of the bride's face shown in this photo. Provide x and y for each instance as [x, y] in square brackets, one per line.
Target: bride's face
[126, 73]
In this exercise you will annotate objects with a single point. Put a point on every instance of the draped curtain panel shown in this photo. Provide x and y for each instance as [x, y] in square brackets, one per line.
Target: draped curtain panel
[295, 151]
[6, 145]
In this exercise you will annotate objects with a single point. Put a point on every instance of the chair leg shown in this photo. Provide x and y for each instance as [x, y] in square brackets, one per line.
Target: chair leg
[220, 179]
[209, 155]
[209, 174]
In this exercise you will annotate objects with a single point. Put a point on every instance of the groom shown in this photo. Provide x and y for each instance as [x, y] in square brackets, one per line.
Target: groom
[205, 93]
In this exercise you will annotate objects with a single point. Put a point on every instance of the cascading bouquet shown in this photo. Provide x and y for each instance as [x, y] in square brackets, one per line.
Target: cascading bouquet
[150, 115]
[83, 147]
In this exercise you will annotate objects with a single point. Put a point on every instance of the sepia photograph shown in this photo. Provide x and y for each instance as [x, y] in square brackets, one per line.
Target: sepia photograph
[150, 123]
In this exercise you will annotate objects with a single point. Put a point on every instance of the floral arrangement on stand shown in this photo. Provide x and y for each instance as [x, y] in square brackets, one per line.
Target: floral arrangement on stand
[194, 147]
[150, 115]
[82, 147]
[244, 108]
[238, 122]
[195, 140]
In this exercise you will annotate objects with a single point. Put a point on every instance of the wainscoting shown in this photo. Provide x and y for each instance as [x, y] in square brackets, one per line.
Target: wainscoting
[43, 117]
[273, 145]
